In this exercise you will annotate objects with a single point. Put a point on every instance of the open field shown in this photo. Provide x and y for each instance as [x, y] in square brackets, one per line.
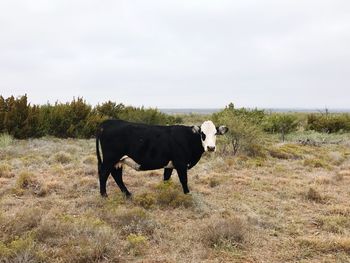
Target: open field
[291, 206]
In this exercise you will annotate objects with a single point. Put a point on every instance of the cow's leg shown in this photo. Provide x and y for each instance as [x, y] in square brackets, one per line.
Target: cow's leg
[103, 176]
[182, 173]
[167, 173]
[118, 178]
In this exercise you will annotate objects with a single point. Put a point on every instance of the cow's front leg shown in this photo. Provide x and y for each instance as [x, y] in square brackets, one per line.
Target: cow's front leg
[167, 173]
[182, 173]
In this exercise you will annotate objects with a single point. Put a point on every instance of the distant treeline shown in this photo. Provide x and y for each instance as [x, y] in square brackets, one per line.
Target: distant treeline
[78, 119]
[287, 122]
[75, 119]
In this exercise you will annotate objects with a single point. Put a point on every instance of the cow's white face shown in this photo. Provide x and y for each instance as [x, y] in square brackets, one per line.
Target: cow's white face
[208, 133]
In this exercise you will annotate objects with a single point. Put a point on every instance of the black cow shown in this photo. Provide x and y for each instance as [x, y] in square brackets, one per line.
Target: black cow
[148, 147]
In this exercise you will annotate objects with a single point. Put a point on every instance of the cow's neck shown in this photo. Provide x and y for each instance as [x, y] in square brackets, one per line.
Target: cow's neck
[196, 149]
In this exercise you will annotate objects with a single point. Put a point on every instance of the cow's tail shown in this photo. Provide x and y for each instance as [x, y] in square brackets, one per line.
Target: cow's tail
[99, 160]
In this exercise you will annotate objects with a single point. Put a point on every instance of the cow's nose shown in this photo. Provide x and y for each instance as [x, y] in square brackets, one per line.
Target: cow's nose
[211, 148]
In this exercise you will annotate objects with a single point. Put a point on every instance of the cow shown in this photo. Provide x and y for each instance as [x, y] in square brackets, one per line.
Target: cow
[148, 147]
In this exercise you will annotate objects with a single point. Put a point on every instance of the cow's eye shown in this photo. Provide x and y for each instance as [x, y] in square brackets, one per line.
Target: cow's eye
[203, 136]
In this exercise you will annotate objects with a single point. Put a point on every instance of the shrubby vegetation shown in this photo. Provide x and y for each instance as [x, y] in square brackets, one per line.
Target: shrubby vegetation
[78, 119]
[245, 133]
[281, 123]
[75, 119]
[329, 123]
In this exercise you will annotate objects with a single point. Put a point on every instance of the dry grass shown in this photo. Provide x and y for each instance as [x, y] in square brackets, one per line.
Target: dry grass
[225, 233]
[292, 206]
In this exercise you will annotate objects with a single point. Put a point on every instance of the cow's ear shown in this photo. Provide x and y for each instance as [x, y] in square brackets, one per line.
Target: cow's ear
[221, 130]
[196, 129]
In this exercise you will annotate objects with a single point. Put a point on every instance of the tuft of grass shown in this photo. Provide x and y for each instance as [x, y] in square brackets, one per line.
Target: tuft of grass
[5, 140]
[83, 238]
[288, 151]
[22, 222]
[316, 163]
[27, 181]
[91, 160]
[326, 245]
[338, 177]
[344, 173]
[336, 158]
[145, 200]
[24, 180]
[225, 233]
[5, 171]
[20, 249]
[62, 157]
[132, 221]
[137, 244]
[168, 195]
[314, 195]
[334, 223]
[213, 182]
[339, 210]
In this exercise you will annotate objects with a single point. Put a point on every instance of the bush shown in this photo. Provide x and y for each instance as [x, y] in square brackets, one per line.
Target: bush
[75, 119]
[328, 123]
[280, 123]
[244, 134]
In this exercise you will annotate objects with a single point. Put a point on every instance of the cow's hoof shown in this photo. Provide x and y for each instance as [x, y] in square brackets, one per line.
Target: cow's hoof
[104, 195]
[128, 195]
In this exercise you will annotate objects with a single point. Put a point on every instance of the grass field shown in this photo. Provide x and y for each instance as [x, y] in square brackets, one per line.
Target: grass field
[291, 206]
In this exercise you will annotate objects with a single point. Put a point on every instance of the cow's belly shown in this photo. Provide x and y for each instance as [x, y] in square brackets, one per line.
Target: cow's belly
[150, 165]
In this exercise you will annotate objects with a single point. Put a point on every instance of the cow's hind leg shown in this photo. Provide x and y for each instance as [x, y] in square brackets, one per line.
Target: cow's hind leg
[167, 173]
[103, 176]
[117, 174]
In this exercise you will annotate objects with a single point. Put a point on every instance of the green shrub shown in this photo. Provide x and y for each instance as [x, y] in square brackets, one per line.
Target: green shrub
[254, 116]
[146, 200]
[328, 123]
[244, 134]
[75, 119]
[168, 195]
[280, 123]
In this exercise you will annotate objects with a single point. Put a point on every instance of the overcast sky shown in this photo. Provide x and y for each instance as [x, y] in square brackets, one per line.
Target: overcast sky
[178, 54]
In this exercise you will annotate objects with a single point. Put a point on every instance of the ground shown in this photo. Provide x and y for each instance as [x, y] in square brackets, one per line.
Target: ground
[292, 205]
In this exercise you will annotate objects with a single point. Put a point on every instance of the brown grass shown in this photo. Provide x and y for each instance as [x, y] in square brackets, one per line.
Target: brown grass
[285, 207]
[225, 233]
[314, 195]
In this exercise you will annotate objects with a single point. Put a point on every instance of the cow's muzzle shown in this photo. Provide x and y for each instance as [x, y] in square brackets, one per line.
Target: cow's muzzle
[211, 148]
